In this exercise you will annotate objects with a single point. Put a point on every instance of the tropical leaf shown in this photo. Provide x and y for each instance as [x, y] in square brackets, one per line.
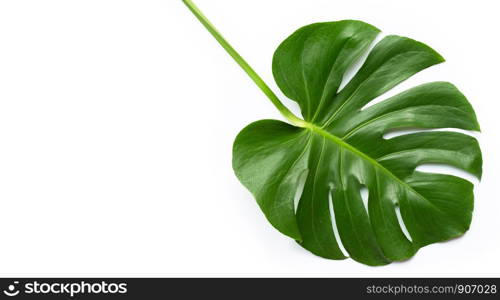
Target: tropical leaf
[338, 148]
[341, 149]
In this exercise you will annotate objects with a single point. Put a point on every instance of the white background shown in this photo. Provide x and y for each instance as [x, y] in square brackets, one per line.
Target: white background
[117, 120]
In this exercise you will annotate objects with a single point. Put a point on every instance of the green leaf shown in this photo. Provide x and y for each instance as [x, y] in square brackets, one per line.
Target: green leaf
[341, 148]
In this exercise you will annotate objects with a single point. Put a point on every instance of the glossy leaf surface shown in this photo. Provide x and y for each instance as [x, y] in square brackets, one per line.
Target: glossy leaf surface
[340, 150]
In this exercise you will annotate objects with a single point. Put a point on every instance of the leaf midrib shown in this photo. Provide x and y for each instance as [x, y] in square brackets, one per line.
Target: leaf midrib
[317, 130]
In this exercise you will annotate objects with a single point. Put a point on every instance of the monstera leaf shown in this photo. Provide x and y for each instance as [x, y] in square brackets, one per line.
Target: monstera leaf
[342, 149]
[339, 148]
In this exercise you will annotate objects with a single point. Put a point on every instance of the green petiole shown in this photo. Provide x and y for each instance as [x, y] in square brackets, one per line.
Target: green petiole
[245, 66]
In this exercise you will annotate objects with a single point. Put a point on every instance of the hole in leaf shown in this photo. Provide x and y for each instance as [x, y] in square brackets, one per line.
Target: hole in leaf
[392, 133]
[402, 223]
[301, 182]
[358, 63]
[364, 196]
[395, 132]
[448, 170]
[376, 100]
[415, 80]
[334, 225]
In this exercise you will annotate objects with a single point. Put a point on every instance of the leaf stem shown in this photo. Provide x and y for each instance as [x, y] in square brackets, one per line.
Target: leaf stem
[244, 65]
